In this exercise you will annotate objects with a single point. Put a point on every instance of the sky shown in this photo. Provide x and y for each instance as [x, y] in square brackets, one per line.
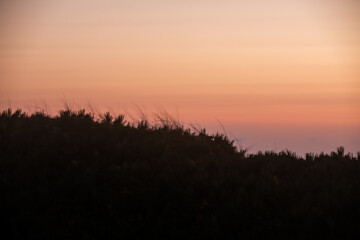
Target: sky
[275, 75]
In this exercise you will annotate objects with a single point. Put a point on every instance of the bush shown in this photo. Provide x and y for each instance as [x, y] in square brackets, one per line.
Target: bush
[74, 176]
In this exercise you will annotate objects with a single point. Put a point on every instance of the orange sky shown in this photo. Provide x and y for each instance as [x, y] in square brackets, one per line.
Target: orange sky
[277, 74]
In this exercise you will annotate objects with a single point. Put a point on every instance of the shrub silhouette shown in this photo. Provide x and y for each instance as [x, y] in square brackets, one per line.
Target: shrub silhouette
[74, 176]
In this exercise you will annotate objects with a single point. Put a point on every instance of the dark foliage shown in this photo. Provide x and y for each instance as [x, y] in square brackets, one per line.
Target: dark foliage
[72, 176]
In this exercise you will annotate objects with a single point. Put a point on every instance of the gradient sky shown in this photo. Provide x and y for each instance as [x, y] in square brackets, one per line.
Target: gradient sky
[277, 74]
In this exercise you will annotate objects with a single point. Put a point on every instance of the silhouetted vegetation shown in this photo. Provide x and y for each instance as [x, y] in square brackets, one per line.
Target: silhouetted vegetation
[74, 176]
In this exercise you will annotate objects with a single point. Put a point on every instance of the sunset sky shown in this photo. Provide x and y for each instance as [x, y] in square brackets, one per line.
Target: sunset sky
[277, 74]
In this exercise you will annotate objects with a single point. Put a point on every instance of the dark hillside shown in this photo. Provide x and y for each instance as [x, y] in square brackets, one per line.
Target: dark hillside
[71, 176]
